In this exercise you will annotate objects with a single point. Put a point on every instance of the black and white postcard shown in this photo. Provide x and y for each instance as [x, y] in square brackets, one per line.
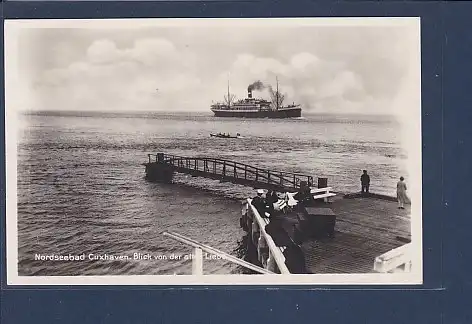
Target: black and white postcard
[213, 151]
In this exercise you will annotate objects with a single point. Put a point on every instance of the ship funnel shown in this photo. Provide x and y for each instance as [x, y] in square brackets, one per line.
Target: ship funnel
[249, 93]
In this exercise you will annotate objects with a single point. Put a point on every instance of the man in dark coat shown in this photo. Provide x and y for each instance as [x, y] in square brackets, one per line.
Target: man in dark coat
[365, 182]
[271, 198]
[259, 202]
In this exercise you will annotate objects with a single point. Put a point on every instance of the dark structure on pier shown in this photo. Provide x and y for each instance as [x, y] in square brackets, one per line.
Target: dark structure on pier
[161, 167]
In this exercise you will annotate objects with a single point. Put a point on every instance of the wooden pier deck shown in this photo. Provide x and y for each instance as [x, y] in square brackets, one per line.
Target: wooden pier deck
[366, 227]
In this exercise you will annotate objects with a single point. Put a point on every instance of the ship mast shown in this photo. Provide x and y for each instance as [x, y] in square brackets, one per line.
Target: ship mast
[229, 99]
[277, 93]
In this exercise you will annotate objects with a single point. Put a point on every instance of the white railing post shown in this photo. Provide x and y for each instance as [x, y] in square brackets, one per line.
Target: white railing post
[197, 262]
[208, 249]
[408, 266]
[395, 260]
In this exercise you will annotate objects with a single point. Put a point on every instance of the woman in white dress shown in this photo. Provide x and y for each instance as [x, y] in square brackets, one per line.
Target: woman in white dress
[401, 193]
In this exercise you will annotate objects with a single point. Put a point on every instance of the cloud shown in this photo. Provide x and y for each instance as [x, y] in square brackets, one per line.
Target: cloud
[319, 85]
[112, 74]
[109, 77]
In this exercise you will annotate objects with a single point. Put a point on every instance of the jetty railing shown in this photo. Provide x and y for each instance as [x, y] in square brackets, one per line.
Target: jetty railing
[197, 257]
[231, 171]
[275, 258]
[396, 260]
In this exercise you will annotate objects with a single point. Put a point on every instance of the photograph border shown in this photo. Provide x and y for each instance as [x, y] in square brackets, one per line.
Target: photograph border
[12, 92]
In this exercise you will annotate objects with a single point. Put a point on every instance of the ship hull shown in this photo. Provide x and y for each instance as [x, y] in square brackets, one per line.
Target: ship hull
[281, 113]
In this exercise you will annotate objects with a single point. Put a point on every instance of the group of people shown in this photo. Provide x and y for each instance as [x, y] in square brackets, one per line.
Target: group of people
[401, 189]
[265, 205]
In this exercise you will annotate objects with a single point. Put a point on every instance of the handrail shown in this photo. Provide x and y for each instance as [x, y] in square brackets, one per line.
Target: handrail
[230, 170]
[211, 250]
[393, 259]
[272, 177]
[176, 157]
[276, 253]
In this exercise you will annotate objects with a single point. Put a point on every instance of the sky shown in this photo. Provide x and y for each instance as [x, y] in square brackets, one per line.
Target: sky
[185, 66]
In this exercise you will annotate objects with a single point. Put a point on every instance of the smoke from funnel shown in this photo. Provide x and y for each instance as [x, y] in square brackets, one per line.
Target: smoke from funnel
[258, 85]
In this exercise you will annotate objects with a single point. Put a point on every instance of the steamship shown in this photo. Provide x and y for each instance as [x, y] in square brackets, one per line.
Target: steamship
[256, 108]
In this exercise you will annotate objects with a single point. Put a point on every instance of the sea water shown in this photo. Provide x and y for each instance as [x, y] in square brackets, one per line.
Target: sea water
[82, 191]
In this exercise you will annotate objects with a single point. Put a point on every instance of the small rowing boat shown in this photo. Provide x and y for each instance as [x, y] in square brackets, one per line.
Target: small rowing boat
[220, 135]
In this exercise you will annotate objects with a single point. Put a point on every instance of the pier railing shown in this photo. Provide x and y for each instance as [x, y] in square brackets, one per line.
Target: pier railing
[275, 258]
[232, 171]
[396, 260]
[197, 256]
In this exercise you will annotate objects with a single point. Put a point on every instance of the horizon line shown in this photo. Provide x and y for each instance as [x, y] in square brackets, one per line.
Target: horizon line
[32, 112]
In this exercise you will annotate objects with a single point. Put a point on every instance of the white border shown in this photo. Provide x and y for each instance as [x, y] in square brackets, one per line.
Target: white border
[412, 140]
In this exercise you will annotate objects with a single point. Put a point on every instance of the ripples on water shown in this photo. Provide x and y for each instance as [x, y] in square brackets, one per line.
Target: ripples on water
[81, 186]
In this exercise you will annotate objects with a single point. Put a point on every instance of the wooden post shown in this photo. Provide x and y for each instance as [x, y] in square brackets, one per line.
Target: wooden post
[245, 172]
[268, 177]
[197, 262]
[235, 173]
[224, 168]
[257, 174]
[407, 266]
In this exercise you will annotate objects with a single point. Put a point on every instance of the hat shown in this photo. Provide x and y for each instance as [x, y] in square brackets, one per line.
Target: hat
[260, 191]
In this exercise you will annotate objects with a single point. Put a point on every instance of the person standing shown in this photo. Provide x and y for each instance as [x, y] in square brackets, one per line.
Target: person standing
[401, 193]
[365, 182]
[259, 202]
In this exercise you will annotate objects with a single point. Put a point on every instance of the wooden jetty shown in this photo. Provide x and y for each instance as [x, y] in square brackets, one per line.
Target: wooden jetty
[161, 167]
[370, 235]
[367, 232]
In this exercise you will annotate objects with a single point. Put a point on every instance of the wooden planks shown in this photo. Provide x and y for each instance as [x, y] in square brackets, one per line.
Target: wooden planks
[365, 229]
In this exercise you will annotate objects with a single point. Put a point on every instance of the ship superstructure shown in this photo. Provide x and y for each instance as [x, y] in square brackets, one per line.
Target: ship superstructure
[251, 107]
